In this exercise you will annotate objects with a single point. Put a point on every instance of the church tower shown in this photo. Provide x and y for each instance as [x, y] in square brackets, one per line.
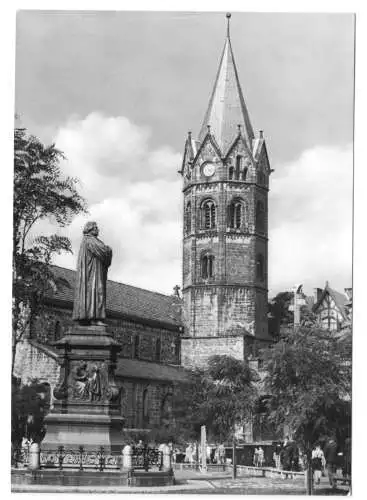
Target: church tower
[225, 232]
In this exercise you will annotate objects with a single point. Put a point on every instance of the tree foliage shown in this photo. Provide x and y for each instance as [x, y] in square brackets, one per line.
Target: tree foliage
[279, 311]
[309, 383]
[40, 192]
[30, 404]
[219, 396]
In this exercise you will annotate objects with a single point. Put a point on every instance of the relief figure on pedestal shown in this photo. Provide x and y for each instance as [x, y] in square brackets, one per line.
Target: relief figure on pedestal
[87, 382]
[94, 260]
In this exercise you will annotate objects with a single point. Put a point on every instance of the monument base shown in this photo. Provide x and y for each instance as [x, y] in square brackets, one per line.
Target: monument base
[87, 406]
[89, 431]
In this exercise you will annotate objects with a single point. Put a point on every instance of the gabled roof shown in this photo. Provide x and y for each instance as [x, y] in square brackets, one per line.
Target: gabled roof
[191, 148]
[339, 298]
[135, 368]
[124, 300]
[227, 108]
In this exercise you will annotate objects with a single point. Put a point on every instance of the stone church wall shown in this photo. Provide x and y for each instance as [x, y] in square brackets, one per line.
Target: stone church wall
[55, 322]
[197, 351]
[32, 362]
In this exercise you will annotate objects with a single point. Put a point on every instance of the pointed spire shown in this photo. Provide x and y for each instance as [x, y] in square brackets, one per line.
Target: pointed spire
[227, 108]
[228, 16]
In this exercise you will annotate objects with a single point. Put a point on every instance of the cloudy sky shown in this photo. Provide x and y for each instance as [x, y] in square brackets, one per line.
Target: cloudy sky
[118, 91]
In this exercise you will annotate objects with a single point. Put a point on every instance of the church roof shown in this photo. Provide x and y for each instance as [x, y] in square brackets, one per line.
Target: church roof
[227, 108]
[124, 300]
[135, 368]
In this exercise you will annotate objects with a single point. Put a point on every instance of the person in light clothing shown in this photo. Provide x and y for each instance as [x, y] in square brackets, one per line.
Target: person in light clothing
[261, 457]
[318, 463]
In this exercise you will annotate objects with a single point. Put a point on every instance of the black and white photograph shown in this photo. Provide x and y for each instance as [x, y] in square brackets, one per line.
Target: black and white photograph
[182, 252]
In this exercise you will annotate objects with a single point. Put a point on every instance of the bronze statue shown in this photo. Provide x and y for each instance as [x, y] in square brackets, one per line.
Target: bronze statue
[94, 260]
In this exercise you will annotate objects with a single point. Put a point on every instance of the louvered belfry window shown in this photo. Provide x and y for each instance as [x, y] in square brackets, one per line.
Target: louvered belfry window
[207, 266]
[236, 213]
[209, 215]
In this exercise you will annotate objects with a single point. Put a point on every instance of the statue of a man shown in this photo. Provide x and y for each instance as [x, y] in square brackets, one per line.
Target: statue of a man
[94, 260]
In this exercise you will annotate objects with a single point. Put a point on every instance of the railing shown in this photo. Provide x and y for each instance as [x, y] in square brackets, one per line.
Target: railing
[20, 457]
[80, 459]
[147, 458]
[97, 460]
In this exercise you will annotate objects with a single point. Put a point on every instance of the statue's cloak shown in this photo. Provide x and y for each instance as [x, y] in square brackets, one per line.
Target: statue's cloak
[94, 260]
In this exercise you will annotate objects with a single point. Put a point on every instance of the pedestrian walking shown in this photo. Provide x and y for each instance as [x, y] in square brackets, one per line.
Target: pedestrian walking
[221, 454]
[256, 458]
[261, 457]
[331, 458]
[318, 463]
[189, 454]
[276, 456]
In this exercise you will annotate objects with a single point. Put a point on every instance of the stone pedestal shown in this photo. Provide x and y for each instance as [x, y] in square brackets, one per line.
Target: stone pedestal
[87, 408]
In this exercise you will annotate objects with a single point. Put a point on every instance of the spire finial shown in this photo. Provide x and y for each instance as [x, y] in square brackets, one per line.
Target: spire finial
[208, 127]
[228, 16]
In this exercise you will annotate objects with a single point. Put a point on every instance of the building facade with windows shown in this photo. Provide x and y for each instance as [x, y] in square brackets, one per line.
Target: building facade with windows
[146, 324]
[225, 176]
[333, 309]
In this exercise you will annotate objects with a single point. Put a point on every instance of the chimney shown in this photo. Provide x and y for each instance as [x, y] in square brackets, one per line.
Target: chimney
[317, 294]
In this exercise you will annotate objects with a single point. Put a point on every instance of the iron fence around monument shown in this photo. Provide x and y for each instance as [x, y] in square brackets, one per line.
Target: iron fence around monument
[81, 459]
[20, 457]
[147, 459]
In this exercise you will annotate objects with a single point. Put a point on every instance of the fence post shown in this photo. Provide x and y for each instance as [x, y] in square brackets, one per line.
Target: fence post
[167, 458]
[34, 456]
[127, 457]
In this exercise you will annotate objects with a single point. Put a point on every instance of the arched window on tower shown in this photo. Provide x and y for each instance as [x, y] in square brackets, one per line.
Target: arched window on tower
[244, 173]
[188, 218]
[260, 274]
[230, 173]
[207, 266]
[208, 215]
[236, 215]
[260, 217]
[238, 166]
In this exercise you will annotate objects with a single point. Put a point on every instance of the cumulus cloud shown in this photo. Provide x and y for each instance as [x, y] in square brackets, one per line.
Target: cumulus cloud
[310, 220]
[134, 193]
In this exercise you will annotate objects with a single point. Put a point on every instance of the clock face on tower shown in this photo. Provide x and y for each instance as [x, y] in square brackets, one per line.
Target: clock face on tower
[209, 169]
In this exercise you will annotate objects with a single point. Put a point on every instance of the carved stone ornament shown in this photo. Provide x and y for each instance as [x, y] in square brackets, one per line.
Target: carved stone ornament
[88, 381]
